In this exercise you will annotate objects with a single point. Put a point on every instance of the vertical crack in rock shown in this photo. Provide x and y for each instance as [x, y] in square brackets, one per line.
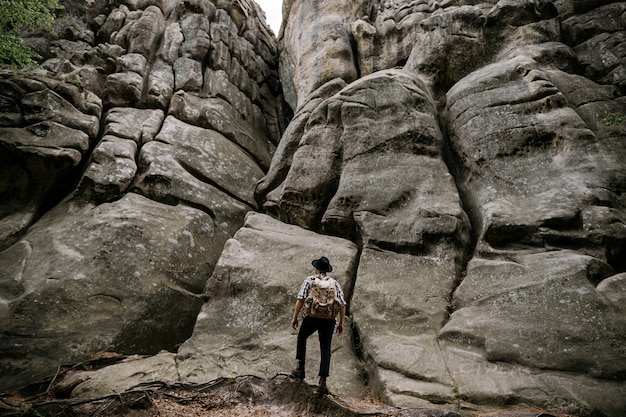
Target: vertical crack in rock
[455, 385]
[151, 58]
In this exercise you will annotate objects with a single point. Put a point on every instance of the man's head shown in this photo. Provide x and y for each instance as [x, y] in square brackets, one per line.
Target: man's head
[322, 264]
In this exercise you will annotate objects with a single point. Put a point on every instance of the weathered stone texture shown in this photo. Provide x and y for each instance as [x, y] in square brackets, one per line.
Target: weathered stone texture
[243, 328]
[151, 158]
[518, 94]
[47, 129]
[84, 280]
[316, 46]
[462, 164]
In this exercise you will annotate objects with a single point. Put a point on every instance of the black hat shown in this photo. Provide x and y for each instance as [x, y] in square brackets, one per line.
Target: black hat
[322, 264]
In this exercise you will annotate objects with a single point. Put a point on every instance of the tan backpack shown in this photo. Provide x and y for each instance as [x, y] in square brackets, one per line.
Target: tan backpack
[322, 301]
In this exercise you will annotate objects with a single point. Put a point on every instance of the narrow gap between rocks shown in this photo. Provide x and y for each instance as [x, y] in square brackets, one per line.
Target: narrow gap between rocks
[146, 78]
[454, 166]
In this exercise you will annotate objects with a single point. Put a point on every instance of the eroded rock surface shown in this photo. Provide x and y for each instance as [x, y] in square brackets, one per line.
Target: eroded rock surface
[120, 189]
[508, 98]
[244, 327]
[461, 163]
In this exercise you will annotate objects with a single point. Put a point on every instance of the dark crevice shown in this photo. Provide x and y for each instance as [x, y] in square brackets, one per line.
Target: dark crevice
[616, 253]
[455, 385]
[511, 235]
[355, 56]
[206, 64]
[146, 77]
[455, 168]
[107, 296]
[356, 334]
[200, 207]
[406, 248]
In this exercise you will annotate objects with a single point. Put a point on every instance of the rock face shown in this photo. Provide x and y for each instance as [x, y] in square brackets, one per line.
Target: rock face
[461, 163]
[243, 328]
[119, 190]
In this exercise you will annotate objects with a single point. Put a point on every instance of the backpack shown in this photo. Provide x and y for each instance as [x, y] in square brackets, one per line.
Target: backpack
[322, 301]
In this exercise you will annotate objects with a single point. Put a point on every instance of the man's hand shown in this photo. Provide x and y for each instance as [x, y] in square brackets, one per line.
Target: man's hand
[340, 328]
[296, 312]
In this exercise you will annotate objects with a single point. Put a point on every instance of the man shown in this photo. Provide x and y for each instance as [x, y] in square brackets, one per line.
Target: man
[323, 323]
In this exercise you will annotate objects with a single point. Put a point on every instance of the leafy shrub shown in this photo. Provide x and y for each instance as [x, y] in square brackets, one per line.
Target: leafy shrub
[17, 16]
[613, 119]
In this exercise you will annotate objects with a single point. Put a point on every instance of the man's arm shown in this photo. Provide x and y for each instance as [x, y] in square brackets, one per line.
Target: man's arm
[342, 311]
[296, 313]
[342, 315]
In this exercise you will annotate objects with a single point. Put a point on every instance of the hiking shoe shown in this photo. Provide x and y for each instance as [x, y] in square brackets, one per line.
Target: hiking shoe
[297, 373]
[322, 389]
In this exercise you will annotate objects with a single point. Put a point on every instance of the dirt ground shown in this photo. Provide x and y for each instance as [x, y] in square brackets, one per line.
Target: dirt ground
[281, 396]
[246, 396]
[240, 396]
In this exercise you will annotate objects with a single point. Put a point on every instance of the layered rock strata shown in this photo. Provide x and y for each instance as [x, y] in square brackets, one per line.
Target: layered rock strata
[121, 185]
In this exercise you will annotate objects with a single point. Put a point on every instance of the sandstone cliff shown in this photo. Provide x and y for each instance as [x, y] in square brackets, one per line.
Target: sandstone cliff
[170, 172]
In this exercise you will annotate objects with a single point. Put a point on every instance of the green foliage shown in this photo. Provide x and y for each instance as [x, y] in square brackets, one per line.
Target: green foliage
[19, 15]
[614, 119]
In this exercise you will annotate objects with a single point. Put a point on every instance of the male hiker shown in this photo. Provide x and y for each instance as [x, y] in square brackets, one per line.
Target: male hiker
[322, 299]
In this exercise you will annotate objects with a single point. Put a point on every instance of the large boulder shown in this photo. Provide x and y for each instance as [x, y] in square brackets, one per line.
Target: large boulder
[69, 290]
[342, 175]
[514, 134]
[547, 317]
[400, 303]
[245, 326]
[316, 46]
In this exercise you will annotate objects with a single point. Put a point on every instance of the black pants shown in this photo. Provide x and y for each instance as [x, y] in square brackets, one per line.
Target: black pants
[324, 328]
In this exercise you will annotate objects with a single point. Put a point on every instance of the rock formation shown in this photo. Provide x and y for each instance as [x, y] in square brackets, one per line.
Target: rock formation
[121, 185]
[170, 172]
